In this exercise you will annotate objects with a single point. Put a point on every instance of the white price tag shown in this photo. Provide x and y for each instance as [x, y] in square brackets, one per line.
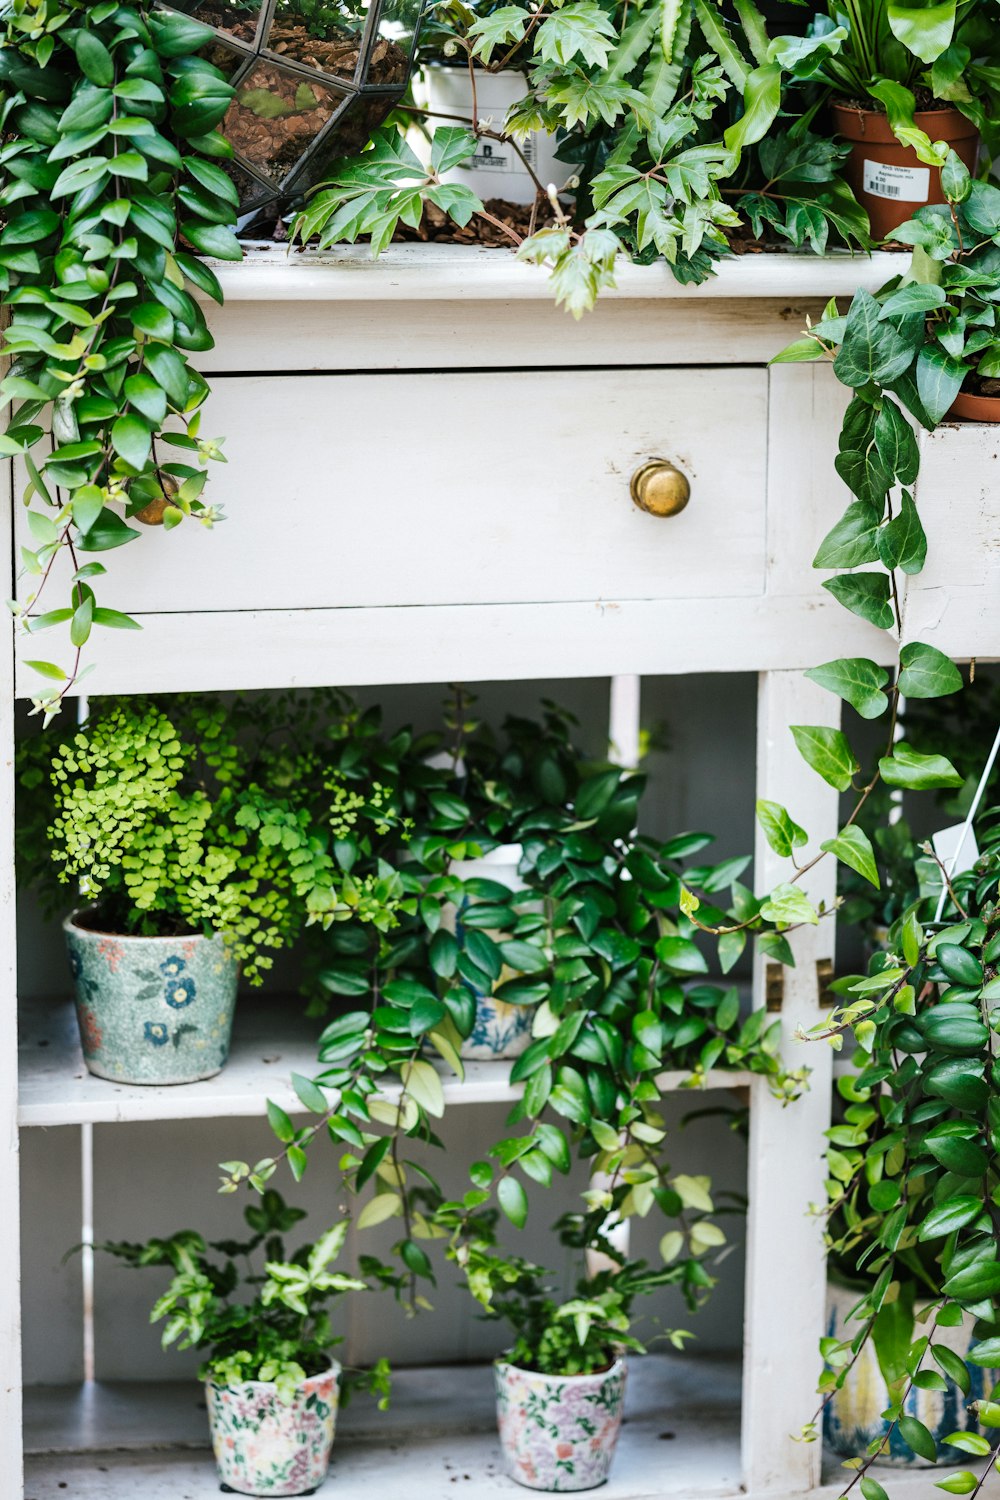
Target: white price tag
[908, 184]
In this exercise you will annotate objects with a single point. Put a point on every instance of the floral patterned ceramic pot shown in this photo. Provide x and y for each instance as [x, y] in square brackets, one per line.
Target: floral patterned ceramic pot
[854, 1418]
[559, 1432]
[500, 1030]
[151, 1010]
[264, 1446]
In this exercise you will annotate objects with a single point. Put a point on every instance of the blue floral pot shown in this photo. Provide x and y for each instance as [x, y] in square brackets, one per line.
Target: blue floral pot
[501, 1030]
[853, 1417]
[151, 1009]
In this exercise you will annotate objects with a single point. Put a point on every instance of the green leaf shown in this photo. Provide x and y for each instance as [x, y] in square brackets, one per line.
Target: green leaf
[926, 672]
[94, 59]
[916, 1435]
[107, 532]
[423, 1085]
[987, 1351]
[280, 1123]
[982, 1279]
[47, 669]
[963, 1482]
[378, 1209]
[83, 618]
[681, 956]
[310, 1094]
[453, 144]
[856, 679]
[853, 541]
[924, 30]
[914, 772]
[146, 396]
[902, 542]
[864, 594]
[872, 351]
[513, 1200]
[781, 831]
[954, 1214]
[853, 848]
[828, 752]
[872, 1490]
[212, 239]
[131, 440]
[787, 904]
[113, 619]
[761, 101]
[969, 1442]
[939, 379]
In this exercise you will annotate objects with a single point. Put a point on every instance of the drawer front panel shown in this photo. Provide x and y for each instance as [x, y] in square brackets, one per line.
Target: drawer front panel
[476, 488]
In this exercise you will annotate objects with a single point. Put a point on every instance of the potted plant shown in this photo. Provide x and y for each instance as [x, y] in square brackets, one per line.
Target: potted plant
[271, 1385]
[911, 1184]
[926, 338]
[195, 846]
[905, 85]
[560, 1388]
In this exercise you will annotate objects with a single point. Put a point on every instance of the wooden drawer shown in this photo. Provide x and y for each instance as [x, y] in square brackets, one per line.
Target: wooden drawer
[464, 488]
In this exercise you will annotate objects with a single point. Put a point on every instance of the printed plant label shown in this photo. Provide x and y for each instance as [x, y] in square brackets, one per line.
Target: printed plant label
[909, 184]
[494, 157]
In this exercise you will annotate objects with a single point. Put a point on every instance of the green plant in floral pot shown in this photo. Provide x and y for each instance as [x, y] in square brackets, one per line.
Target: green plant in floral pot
[271, 1385]
[912, 1188]
[560, 1389]
[190, 867]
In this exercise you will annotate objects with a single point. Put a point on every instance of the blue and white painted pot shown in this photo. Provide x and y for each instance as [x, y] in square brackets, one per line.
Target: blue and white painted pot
[854, 1418]
[559, 1432]
[501, 1030]
[152, 1009]
[266, 1446]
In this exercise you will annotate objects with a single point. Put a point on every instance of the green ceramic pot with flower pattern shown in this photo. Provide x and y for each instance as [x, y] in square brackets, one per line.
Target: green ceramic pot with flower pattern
[151, 1009]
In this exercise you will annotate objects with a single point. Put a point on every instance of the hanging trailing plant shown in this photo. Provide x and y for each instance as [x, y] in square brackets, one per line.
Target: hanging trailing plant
[110, 185]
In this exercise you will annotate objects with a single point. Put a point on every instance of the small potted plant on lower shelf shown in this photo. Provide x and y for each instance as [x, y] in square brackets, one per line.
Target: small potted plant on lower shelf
[560, 1389]
[271, 1385]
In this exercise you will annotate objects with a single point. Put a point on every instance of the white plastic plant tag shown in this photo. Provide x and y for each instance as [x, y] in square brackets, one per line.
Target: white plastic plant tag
[908, 184]
[949, 845]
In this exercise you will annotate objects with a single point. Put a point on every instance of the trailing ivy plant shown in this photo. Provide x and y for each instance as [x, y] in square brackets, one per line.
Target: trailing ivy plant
[111, 184]
[597, 943]
[914, 1167]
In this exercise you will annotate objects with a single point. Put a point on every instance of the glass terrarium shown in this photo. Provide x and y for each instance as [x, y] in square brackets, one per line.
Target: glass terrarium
[313, 79]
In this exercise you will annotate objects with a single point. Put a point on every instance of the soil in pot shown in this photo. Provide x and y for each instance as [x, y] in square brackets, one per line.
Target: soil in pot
[978, 401]
[559, 1432]
[151, 1010]
[264, 1446]
[888, 178]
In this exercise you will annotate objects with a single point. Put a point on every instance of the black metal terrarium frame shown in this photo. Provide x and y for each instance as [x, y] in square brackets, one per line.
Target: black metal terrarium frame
[293, 116]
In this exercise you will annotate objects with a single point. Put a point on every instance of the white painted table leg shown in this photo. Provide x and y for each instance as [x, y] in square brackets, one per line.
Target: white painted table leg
[785, 1263]
[10, 1307]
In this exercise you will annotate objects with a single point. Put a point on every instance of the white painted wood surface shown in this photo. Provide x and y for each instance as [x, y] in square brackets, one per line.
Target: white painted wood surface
[785, 1260]
[271, 1040]
[426, 577]
[463, 489]
[459, 273]
[438, 1439]
[10, 1345]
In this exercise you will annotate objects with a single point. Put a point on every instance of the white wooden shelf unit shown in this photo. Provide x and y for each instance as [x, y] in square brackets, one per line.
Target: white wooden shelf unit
[428, 481]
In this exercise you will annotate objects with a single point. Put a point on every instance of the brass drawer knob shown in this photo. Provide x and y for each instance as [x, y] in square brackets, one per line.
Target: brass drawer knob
[659, 488]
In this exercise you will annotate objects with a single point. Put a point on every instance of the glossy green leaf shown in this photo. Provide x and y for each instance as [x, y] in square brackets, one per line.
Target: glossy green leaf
[828, 752]
[858, 680]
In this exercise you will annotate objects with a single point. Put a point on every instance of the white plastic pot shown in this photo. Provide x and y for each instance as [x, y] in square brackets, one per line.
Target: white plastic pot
[496, 170]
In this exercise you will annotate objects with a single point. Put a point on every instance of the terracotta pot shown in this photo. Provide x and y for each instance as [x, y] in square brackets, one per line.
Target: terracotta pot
[265, 1446]
[889, 179]
[975, 408]
[559, 1432]
[853, 1418]
[151, 1009]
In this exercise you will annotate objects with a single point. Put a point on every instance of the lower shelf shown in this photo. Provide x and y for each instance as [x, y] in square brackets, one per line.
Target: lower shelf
[116, 1442]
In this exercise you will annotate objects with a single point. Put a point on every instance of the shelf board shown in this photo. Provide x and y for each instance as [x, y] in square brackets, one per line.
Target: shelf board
[271, 1040]
[681, 1438]
[273, 273]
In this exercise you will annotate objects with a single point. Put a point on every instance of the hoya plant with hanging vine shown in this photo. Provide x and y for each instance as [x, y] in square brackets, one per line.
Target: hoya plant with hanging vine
[112, 182]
